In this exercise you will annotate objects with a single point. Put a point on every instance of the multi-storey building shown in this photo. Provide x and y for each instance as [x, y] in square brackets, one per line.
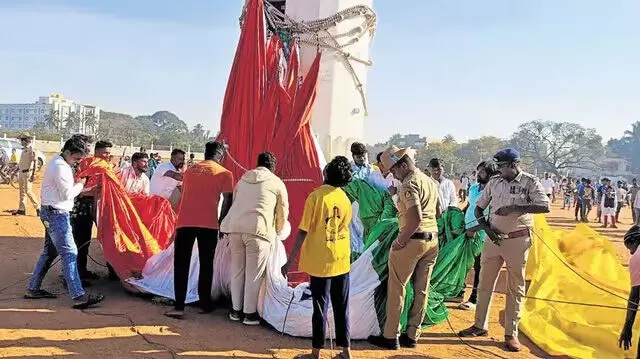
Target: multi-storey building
[51, 111]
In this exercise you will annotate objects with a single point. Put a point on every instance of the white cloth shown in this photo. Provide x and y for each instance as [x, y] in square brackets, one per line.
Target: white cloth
[361, 172]
[125, 164]
[285, 308]
[58, 185]
[162, 185]
[377, 180]
[548, 185]
[447, 194]
[133, 183]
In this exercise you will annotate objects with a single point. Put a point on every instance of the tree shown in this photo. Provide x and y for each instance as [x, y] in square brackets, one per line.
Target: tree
[112, 127]
[445, 150]
[628, 146]
[558, 146]
[480, 149]
[89, 122]
[52, 121]
[72, 123]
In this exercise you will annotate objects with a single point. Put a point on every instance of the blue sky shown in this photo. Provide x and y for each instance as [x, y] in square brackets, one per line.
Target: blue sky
[469, 68]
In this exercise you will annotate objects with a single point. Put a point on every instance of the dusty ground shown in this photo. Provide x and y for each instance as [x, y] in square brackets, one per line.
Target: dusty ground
[128, 327]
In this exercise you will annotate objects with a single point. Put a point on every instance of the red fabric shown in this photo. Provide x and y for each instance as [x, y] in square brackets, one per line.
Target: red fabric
[131, 230]
[261, 113]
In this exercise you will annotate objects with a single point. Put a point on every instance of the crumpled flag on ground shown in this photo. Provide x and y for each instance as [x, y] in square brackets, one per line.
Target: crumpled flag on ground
[130, 230]
[455, 258]
[368, 277]
[574, 330]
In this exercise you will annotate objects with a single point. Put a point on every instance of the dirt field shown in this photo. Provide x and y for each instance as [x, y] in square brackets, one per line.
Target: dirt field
[128, 327]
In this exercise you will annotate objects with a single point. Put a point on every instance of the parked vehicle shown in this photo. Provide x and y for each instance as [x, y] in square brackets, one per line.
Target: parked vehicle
[9, 144]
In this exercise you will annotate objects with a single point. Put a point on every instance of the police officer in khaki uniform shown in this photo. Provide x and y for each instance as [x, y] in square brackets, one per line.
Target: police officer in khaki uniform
[414, 252]
[27, 170]
[512, 198]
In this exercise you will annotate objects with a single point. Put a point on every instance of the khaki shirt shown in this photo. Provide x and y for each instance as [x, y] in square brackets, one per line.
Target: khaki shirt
[524, 190]
[26, 158]
[419, 190]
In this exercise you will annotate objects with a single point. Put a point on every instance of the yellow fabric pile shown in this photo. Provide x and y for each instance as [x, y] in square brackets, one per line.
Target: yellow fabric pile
[568, 329]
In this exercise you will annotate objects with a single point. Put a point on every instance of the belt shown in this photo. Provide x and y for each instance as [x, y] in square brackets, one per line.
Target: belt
[52, 208]
[427, 236]
[517, 234]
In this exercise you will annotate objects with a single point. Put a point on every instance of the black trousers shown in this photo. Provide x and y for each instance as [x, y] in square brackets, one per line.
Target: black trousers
[183, 248]
[473, 298]
[620, 204]
[336, 288]
[81, 226]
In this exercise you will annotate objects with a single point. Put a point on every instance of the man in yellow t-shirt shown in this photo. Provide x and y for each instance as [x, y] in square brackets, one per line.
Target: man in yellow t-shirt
[326, 254]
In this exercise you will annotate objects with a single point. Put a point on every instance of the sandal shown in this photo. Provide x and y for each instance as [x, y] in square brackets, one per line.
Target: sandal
[39, 294]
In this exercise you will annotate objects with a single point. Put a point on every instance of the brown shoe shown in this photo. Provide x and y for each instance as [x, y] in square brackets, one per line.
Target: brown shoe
[473, 332]
[512, 343]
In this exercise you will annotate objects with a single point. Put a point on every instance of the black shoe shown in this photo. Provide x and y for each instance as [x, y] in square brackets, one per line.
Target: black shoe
[39, 294]
[235, 315]
[251, 319]
[87, 301]
[407, 342]
[385, 343]
[19, 213]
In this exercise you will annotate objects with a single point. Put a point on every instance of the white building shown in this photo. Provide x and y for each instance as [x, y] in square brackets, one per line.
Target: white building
[26, 116]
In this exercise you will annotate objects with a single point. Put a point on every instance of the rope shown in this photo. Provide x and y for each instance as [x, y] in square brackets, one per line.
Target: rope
[226, 149]
[316, 33]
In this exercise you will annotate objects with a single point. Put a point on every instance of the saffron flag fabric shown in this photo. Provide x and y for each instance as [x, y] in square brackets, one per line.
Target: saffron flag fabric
[267, 107]
[578, 294]
[130, 229]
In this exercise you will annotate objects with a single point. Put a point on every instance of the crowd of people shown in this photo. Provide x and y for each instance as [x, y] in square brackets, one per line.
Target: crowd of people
[499, 203]
[608, 197]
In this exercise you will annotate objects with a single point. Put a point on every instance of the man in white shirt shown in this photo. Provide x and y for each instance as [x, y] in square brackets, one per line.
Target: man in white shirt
[134, 178]
[167, 178]
[621, 192]
[446, 189]
[58, 191]
[548, 184]
[464, 186]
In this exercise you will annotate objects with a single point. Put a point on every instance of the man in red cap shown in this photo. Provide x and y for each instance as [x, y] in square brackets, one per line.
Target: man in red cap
[512, 198]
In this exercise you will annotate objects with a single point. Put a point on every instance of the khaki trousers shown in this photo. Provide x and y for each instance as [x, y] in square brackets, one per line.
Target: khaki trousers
[514, 253]
[414, 262]
[249, 254]
[26, 191]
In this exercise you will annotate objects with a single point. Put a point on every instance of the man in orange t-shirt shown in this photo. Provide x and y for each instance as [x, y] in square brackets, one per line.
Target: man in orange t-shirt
[198, 218]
